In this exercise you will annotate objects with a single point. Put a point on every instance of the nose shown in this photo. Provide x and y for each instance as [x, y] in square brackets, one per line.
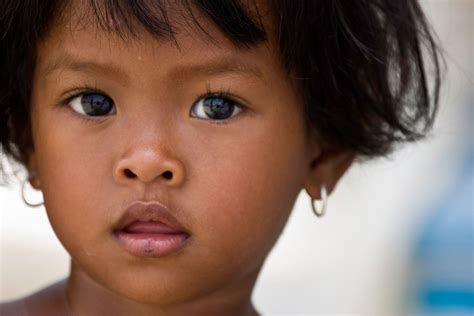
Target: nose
[147, 164]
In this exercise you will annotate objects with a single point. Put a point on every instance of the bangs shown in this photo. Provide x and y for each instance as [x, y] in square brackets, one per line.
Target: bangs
[235, 19]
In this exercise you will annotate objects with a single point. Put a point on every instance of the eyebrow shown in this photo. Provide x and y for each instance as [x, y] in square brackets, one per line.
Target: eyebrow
[215, 66]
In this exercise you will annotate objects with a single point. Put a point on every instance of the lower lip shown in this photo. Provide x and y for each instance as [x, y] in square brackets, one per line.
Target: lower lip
[151, 244]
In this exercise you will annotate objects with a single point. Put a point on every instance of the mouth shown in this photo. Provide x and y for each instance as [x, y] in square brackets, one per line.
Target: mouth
[150, 230]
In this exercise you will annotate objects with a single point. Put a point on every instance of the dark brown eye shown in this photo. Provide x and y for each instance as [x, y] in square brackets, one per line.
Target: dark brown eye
[215, 108]
[93, 104]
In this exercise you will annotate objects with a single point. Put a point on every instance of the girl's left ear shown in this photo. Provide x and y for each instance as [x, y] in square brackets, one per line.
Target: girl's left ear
[327, 168]
[34, 177]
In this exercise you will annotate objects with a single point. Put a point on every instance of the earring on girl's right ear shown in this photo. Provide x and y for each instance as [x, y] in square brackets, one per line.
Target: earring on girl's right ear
[319, 206]
[32, 174]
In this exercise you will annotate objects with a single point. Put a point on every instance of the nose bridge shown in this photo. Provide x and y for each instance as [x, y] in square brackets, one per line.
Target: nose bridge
[148, 152]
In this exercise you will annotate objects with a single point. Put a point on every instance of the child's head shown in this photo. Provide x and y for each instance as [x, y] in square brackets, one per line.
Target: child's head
[223, 111]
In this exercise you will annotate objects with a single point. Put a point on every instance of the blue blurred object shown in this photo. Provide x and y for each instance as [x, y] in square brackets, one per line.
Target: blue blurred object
[444, 253]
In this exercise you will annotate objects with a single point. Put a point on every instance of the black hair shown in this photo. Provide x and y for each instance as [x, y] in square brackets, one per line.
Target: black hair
[360, 66]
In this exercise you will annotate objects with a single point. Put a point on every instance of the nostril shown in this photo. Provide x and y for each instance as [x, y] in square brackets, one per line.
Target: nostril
[129, 174]
[167, 175]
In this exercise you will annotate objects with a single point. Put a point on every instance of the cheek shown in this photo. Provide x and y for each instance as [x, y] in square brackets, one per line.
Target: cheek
[73, 157]
[250, 191]
[73, 182]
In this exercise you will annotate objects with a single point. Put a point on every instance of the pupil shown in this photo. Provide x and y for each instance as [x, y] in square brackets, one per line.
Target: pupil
[96, 104]
[218, 108]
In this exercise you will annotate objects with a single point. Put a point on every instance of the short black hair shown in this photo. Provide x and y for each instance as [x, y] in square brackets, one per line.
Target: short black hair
[360, 66]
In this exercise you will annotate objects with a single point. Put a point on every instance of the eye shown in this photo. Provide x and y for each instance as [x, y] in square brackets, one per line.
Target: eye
[215, 108]
[92, 104]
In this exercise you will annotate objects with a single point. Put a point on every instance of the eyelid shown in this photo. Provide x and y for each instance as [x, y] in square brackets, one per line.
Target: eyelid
[80, 91]
[221, 93]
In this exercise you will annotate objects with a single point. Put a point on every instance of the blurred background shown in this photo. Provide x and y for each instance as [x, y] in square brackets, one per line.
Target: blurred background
[397, 238]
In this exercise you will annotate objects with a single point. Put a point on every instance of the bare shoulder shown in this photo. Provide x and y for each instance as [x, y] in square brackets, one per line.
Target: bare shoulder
[47, 301]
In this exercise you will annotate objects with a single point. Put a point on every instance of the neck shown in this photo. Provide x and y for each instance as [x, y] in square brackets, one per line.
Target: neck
[87, 297]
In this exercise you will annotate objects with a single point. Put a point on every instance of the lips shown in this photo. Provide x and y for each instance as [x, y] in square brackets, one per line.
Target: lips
[150, 230]
[150, 227]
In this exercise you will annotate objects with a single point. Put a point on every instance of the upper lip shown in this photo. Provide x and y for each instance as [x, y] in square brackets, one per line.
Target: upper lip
[149, 211]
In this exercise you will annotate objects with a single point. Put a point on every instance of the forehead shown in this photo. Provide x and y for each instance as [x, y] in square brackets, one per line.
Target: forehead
[92, 32]
[244, 22]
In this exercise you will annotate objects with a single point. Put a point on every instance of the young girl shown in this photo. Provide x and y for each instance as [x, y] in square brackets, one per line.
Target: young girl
[170, 139]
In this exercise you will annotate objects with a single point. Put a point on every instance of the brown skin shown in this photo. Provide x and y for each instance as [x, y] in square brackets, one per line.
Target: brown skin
[233, 184]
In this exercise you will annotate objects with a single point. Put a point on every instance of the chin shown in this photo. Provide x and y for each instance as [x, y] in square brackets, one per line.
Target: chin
[159, 293]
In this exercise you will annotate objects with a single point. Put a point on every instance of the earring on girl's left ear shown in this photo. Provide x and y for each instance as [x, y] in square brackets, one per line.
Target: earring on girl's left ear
[320, 206]
[23, 185]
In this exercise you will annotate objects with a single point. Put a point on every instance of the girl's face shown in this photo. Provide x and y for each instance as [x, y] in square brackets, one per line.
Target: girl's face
[230, 183]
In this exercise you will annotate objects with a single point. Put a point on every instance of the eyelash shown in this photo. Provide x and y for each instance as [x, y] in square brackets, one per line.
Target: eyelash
[221, 93]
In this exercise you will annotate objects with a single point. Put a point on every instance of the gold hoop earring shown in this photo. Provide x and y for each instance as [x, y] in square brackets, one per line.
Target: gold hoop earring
[23, 192]
[319, 206]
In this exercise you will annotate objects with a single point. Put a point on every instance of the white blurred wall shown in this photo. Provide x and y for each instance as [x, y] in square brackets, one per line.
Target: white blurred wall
[352, 261]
